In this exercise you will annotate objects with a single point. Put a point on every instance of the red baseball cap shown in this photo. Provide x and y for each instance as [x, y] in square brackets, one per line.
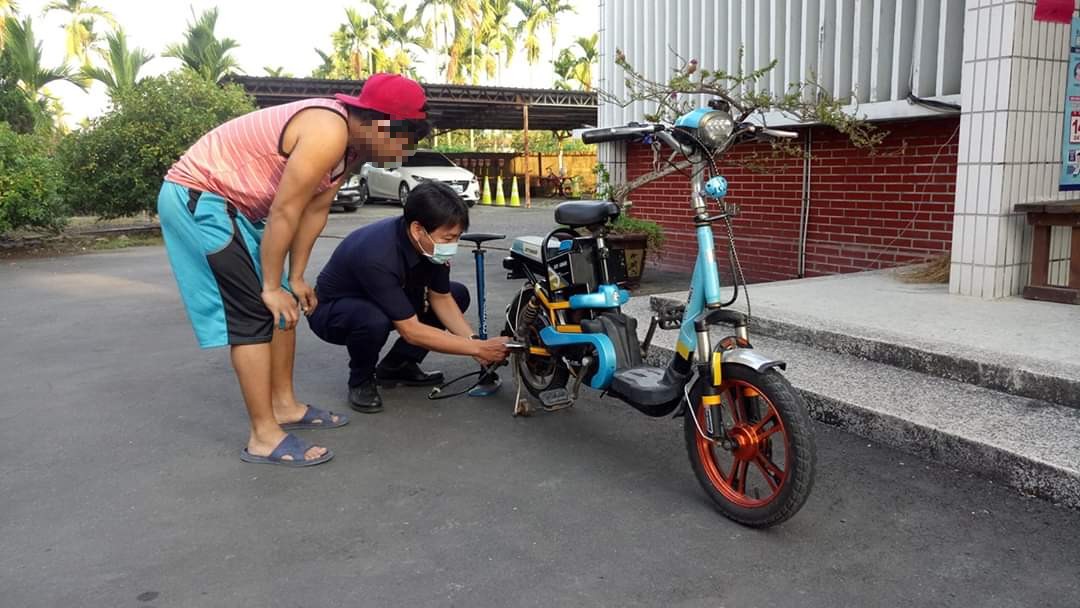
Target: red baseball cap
[392, 94]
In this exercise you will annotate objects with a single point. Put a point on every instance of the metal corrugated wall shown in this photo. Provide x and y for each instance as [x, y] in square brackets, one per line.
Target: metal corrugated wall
[876, 52]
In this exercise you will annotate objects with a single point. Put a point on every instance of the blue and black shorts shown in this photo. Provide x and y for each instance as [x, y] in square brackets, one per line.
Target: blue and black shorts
[214, 253]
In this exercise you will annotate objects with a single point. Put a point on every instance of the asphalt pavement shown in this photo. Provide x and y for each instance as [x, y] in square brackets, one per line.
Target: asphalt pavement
[121, 485]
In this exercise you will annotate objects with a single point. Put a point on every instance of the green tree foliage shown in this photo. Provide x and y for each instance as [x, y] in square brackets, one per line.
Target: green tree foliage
[29, 179]
[115, 167]
[122, 65]
[511, 141]
[202, 51]
[15, 108]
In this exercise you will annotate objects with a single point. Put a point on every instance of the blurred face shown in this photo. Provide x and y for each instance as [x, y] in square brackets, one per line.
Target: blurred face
[385, 140]
[382, 141]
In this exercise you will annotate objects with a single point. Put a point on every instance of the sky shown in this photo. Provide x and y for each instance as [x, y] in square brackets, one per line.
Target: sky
[270, 32]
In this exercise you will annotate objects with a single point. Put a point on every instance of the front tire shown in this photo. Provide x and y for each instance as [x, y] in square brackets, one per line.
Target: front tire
[362, 194]
[765, 474]
[403, 193]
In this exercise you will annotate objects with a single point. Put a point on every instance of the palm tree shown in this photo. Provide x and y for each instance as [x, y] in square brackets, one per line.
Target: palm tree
[553, 8]
[401, 31]
[82, 16]
[361, 37]
[534, 17]
[461, 51]
[575, 63]
[8, 8]
[589, 54]
[437, 17]
[277, 72]
[326, 68]
[122, 65]
[496, 35]
[202, 51]
[23, 53]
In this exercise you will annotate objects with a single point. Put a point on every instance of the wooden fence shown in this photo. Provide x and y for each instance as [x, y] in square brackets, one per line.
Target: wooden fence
[509, 164]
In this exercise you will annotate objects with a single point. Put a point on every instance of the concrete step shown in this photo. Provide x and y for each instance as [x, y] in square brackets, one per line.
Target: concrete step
[1002, 370]
[1032, 445]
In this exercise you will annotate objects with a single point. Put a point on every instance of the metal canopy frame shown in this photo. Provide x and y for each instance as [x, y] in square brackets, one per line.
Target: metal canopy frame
[452, 106]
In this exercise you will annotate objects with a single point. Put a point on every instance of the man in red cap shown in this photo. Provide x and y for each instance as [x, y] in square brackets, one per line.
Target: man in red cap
[246, 195]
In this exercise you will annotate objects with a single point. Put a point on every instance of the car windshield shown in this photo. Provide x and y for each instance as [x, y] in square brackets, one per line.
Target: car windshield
[428, 159]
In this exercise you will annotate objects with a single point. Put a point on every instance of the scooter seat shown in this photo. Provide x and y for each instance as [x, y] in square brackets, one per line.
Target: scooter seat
[481, 237]
[585, 213]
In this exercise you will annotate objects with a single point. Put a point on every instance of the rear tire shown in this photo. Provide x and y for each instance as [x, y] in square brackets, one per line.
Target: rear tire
[538, 373]
[765, 420]
[403, 193]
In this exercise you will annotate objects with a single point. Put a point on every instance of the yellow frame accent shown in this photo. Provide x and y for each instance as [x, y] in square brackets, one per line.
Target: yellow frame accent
[710, 399]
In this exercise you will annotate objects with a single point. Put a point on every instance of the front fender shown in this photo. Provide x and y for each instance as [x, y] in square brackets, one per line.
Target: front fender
[751, 358]
[746, 357]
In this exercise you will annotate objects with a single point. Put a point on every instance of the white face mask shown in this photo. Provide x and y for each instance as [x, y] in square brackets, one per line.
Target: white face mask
[443, 252]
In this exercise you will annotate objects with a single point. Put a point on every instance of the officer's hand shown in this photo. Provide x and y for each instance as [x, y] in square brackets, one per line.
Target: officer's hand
[305, 294]
[281, 304]
[492, 350]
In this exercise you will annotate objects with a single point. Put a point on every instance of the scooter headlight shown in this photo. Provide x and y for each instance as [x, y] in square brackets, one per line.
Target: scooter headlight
[714, 128]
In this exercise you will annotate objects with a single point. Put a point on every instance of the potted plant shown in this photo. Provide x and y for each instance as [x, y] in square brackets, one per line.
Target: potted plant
[636, 237]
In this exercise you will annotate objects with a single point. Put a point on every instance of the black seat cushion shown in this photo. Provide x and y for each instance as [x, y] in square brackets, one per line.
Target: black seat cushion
[585, 213]
[481, 237]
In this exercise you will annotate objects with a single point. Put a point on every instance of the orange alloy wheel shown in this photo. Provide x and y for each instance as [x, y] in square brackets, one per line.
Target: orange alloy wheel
[748, 472]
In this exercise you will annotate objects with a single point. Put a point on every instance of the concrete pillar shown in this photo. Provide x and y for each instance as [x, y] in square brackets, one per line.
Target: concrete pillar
[1012, 92]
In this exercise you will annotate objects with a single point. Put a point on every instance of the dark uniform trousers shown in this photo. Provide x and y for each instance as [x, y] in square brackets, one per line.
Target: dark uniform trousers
[362, 327]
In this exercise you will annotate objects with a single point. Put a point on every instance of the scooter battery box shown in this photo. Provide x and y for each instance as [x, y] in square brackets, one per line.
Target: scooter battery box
[578, 265]
[575, 265]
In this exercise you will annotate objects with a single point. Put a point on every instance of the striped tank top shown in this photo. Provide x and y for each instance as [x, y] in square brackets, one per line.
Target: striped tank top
[242, 160]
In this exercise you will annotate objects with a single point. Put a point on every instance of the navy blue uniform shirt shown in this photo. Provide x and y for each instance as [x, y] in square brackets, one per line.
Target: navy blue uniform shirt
[379, 263]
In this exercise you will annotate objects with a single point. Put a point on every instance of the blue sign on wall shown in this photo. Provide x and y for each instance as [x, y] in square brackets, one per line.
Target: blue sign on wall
[1070, 141]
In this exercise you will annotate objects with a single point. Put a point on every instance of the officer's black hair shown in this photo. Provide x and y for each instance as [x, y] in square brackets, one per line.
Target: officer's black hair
[434, 204]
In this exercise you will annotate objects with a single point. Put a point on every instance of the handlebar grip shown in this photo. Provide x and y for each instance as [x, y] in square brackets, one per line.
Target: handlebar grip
[780, 134]
[596, 136]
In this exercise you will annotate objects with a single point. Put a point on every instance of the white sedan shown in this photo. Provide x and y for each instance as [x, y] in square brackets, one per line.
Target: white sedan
[395, 183]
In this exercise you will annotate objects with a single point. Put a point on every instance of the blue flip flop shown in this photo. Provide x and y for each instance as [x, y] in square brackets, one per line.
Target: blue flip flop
[314, 418]
[292, 446]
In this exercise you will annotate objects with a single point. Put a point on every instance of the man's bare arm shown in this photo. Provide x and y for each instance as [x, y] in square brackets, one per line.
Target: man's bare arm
[448, 311]
[320, 143]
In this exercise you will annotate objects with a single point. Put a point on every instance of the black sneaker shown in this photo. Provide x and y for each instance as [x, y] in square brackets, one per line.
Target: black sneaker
[365, 398]
[408, 373]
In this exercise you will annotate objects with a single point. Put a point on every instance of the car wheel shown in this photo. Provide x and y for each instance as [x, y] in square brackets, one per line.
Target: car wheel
[362, 194]
[403, 193]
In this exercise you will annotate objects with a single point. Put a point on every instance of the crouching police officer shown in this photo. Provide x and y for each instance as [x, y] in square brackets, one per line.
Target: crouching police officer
[395, 275]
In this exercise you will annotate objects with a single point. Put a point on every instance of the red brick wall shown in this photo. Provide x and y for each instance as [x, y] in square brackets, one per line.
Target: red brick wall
[867, 211]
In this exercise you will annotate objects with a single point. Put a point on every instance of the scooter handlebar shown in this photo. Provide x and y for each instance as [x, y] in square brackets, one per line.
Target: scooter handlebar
[629, 132]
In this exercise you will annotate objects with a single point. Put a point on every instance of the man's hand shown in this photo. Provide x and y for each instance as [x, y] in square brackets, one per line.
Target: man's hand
[492, 350]
[304, 293]
[281, 303]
